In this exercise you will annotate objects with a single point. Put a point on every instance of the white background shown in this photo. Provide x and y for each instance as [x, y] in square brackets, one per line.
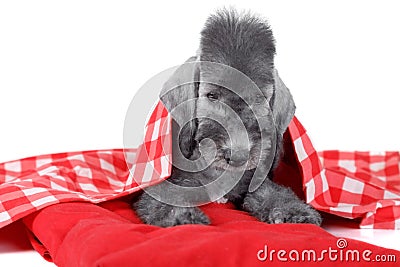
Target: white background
[68, 70]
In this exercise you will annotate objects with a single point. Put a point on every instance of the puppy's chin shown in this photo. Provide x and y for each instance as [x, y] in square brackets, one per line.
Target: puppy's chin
[222, 165]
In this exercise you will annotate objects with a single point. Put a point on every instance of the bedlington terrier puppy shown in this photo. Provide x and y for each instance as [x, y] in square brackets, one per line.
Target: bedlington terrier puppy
[232, 115]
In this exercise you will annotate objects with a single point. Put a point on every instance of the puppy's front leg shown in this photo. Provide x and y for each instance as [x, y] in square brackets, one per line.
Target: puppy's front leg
[273, 203]
[155, 212]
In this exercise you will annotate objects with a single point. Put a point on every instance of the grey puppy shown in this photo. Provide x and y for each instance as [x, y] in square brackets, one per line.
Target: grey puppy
[243, 42]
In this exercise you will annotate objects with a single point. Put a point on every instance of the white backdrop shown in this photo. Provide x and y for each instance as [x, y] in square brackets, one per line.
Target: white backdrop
[68, 70]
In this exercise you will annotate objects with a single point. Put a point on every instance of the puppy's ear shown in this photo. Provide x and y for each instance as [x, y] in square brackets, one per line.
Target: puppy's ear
[283, 106]
[179, 96]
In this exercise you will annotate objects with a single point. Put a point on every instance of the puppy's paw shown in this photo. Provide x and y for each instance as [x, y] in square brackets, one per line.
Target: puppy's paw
[294, 212]
[188, 216]
[182, 215]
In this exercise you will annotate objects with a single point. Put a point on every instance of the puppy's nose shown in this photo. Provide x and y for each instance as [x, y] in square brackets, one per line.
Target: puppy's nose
[236, 158]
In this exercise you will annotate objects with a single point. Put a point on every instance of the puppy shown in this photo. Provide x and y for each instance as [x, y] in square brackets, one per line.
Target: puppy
[230, 110]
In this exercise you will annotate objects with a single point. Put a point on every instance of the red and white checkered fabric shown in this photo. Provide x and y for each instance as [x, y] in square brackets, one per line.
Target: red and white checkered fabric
[348, 184]
[362, 185]
[33, 183]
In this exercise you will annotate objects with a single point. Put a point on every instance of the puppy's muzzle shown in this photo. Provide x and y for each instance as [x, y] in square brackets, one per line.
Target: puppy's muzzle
[236, 158]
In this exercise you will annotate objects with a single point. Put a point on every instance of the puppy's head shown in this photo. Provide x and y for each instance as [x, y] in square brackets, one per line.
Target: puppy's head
[245, 43]
[241, 41]
[241, 90]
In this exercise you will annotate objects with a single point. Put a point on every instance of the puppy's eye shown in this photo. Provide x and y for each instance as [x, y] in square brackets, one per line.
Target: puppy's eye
[212, 96]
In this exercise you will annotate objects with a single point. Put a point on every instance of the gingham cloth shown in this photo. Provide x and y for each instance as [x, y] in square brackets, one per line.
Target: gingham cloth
[30, 184]
[348, 184]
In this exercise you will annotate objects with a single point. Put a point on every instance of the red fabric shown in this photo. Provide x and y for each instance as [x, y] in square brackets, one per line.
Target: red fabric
[349, 184]
[84, 234]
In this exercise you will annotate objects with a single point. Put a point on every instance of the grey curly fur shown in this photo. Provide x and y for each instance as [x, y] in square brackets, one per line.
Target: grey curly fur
[244, 42]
